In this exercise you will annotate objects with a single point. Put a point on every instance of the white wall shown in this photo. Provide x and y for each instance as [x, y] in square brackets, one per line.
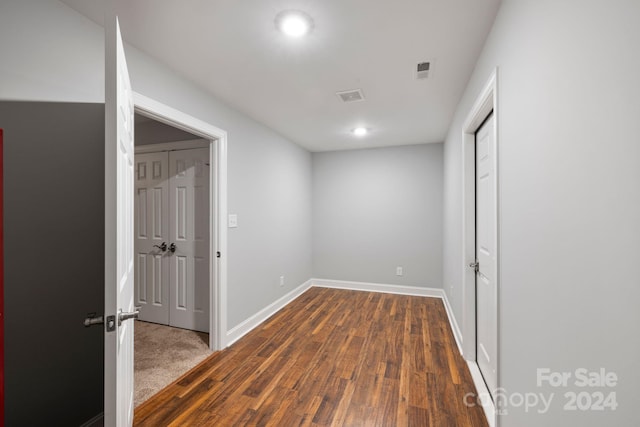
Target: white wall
[569, 153]
[376, 209]
[50, 52]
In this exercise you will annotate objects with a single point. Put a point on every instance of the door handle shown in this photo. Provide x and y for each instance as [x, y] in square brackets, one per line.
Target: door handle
[172, 247]
[122, 316]
[475, 265]
[162, 247]
[92, 319]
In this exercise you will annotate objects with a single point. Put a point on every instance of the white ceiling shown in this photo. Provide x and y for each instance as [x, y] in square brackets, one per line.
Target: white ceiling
[232, 49]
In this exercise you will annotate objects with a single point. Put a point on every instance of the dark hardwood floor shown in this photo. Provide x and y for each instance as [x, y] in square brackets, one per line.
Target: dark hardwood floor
[331, 357]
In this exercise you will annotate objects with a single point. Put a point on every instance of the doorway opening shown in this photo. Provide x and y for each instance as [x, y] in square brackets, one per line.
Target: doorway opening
[217, 138]
[171, 174]
[182, 160]
[480, 263]
[172, 260]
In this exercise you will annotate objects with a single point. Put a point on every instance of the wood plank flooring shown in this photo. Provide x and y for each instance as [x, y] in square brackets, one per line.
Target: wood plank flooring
[330, 358]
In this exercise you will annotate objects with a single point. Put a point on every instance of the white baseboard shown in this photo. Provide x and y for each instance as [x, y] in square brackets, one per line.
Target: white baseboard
[237, 332]
[378, 287]
[483, 393]
[457, 334]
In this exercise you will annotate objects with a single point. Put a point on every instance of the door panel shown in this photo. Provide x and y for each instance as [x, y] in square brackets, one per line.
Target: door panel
[119, 233]
[152, 229]
[486, 292]
[189, 213]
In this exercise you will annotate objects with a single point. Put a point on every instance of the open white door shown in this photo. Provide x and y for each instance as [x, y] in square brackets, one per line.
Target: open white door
[486, 290]
[119, 279]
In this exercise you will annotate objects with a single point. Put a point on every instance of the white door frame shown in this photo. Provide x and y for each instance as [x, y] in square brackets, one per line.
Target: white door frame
[486, 102]
[217, 206]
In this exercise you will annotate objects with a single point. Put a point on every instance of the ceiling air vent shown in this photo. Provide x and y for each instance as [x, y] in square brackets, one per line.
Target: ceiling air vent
[422, 70]
[351, 95]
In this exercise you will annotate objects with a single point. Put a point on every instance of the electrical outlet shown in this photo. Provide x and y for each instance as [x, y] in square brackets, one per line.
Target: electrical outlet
[399, 271]
[281, 280]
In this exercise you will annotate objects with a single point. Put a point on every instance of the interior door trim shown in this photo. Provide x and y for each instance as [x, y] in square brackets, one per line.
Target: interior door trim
[486, 102]
[217, 139]
[172, 146]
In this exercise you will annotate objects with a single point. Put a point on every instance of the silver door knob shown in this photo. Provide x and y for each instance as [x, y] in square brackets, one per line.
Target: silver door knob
[122, 316]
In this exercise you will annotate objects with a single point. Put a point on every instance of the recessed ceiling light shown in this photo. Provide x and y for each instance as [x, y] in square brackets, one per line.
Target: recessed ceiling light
[294, 23]
[360, 131]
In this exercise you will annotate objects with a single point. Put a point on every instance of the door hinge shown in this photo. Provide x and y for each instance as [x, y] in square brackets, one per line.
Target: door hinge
[218, 254]
[475, 265]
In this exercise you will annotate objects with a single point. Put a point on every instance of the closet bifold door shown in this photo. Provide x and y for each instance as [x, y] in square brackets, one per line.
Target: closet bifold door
[189, 214]
[152, 279]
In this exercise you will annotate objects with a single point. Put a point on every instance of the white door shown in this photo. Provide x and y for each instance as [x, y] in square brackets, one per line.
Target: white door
[189, 213]
[486, 292]
[119, 152]
[152, 236]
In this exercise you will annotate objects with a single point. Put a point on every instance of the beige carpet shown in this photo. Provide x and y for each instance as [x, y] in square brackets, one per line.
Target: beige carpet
[162, 355]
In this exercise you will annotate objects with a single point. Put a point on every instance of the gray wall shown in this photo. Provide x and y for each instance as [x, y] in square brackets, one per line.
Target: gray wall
[269, 189]
[60, 56]
[54, 261]
[376, 209]
[569, 153]
[153, 132]
[49, 53]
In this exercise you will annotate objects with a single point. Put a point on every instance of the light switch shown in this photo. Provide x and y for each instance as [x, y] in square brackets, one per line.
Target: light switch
[233, 220]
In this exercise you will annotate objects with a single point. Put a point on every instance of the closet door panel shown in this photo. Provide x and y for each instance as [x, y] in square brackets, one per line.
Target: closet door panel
[152, 279]
[189, 228]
